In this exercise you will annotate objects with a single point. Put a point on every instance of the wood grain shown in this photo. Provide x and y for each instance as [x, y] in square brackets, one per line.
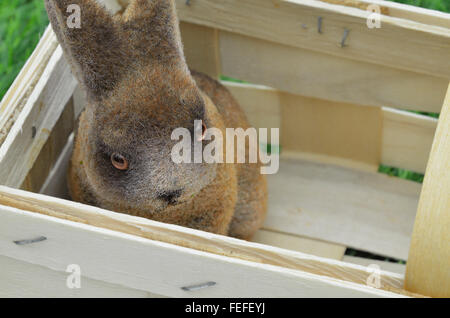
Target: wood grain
[25, 280]
[329, 128]
[399, 10]
[364, 210]
[51, 151]
[210, 244]
[384, 265]
[314, 74]
[201, 48]
[41, 111]
[407, 139]
[428, 270]
[344, 134]
[300, 244]
[281, 21]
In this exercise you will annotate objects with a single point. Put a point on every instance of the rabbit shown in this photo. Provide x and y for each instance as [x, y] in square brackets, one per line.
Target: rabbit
[139, 89]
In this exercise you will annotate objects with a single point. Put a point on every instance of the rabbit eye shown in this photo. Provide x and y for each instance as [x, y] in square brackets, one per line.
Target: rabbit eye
[119, 162]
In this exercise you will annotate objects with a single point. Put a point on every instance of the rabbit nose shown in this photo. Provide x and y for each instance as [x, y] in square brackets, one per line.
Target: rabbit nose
[170, 196]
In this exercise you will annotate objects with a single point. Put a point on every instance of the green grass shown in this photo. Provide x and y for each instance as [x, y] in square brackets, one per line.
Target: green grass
[21, 24]
[401, 173]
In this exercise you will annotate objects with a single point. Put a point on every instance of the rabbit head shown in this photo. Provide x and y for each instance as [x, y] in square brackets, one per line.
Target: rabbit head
[139, 90]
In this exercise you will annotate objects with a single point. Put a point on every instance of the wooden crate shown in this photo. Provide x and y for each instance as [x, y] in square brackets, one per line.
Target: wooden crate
[341, 112]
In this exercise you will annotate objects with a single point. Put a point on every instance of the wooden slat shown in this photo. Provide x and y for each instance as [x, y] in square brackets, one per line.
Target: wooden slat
[79, 101]
[51, 151]
[344, 134]
[157, 267]
[25, 280]
[364, 210]
[16, 96]
[281, 21]
[201, 48]
[327, 128]
[407, 139]
[41, 111]
[300, 244]
[399, 10]
[308, 73]
[261, 104]
[362, 5]
[428, 269]
[314, 129]
[236, 251]
[56, 182]
[387, 266]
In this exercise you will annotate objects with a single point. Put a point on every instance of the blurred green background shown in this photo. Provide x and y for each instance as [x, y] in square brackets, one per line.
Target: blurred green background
[22, 22]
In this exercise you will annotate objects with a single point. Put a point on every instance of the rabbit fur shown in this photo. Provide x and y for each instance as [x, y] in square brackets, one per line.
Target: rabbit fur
[139, 89]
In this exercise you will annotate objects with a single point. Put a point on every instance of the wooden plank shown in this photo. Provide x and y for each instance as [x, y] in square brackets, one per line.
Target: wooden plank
[334, 129]
[261, 104]
[427, 46]
[55, 184]
[407, 139]
[266, 106]
[25, 280]
[387, 266]
[155, 267]
[226, 249]
[201, 48]
[16, 96]
[300, 244]
[314, 74]
[362, 5]
[36, 121]
[367, 211]
[428, 269]
[51, 151]
[79, 101]
[399, 10]
[339, 133]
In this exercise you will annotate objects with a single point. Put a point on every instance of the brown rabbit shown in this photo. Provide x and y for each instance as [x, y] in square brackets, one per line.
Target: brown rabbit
[139, 90]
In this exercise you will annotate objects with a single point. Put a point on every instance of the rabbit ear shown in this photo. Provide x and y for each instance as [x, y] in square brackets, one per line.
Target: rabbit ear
[153, 30]
[93, 47]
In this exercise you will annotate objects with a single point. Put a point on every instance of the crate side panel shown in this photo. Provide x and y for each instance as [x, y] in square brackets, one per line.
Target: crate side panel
[155, 267]
[295, 23]
[25, 280]
[428, 270]
[314, 74]
[194, 239]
